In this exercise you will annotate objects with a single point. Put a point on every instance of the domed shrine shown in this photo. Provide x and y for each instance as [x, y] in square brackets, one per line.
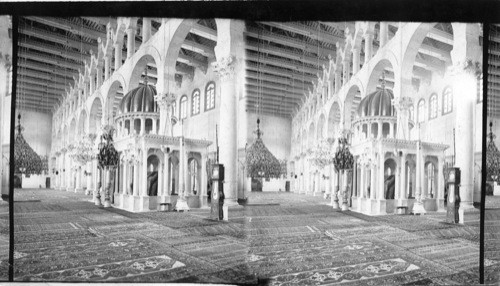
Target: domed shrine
[138, 112]
[387, 159]
[153, 160]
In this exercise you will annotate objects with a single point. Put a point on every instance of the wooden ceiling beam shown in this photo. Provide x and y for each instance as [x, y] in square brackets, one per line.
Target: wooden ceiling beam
[302, 29]
[293, 76]
[47, 59]
[204, 31]
[285, 53]
[287, 41]
[294, 66]
[55, 38]
[66, 25]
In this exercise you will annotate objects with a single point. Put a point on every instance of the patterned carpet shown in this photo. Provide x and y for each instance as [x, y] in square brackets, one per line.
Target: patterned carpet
[279, 239]
[4, 240]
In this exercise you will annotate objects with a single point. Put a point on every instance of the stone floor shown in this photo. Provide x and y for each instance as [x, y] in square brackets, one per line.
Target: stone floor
[278, 239]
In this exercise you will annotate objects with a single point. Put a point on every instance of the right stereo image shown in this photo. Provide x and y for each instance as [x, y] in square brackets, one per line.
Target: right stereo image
[492, 186]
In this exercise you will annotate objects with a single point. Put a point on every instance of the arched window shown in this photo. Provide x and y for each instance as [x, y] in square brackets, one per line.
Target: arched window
[210, 96]
[421, 111]
[183, 103]
[447, 100]
[433, 106]
[195, 102]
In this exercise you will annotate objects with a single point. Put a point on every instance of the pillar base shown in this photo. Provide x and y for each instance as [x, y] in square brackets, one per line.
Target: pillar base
[78, 190]
[335, 205]
[418, 208]
[440, 206]
[345, 207]
[107, 203]
[97, 201]
[232, 203]
[89, 192]
[464, 209]
[204, 201]
[181, 205]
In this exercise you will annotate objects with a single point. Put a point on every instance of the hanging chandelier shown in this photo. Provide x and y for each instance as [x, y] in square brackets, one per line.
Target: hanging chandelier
[26, 160]
[343, 159]
[492, 158]
[107, 156]
[261, 163]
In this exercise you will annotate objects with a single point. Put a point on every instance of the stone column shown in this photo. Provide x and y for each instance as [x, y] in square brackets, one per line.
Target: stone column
[165, 186]
[136, 178]
[144, 170]
[125, 178]
[338, 84]
[78, 182]
[463, 95]
[228, 124]
[391, 130]
[107, 67]
[203, 183]
[130, 41]
[347, 70]
[379, 130]
[99, 76]
[355, 60]
[381, 174]
[402, 179]
[362, 184]
[118, 55]
[372, 181]
[418, 206]
[440, 185]
[336, 189]
[154, 127]
[143, 126]
[181, 204]
[187, 179]
[146, 29]
[384, 33]
[368, 47]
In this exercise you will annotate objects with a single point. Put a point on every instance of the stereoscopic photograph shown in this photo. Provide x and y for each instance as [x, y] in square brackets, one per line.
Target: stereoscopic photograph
[231, 151]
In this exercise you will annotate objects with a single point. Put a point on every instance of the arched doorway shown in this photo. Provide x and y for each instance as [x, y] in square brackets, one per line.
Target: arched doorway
[173, 174]
[194, 179]
[430, 183]
[152, 180]
[389, 179]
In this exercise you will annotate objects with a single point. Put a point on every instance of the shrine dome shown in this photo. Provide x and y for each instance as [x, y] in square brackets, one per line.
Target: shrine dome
[378, 103]
[139, 99]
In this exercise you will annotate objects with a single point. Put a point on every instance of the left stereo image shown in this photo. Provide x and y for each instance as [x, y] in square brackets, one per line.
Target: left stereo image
[5, 122]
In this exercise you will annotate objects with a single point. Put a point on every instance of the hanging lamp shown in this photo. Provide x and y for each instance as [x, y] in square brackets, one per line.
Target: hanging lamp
[261, 163]
[492, 158]
[26, 160]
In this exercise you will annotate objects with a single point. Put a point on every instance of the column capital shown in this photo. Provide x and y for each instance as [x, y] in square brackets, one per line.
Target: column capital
[5, 60]
[165, 100]
[225, 67]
